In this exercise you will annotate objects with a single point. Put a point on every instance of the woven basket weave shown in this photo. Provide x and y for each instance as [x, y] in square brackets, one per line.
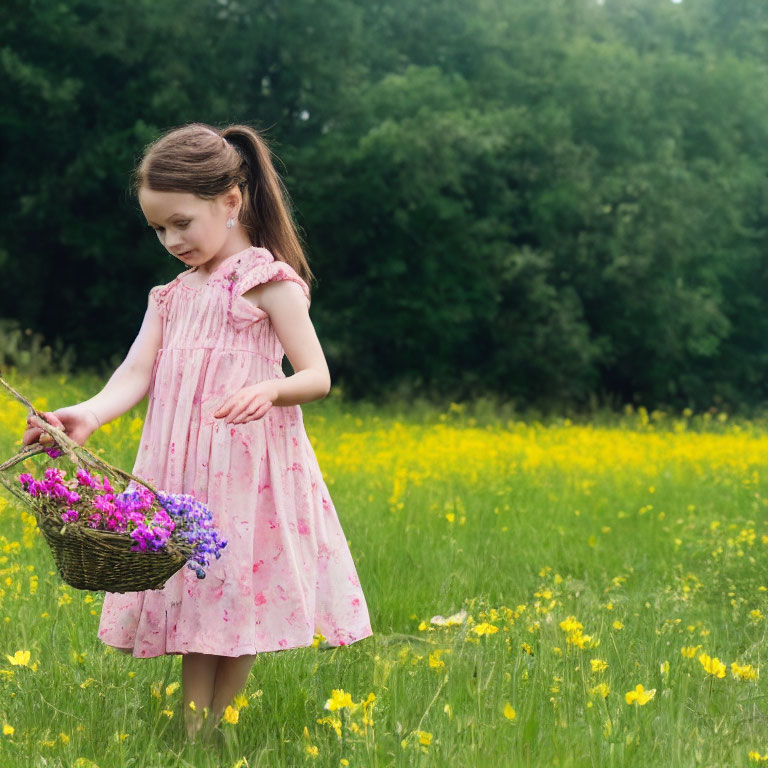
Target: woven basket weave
[87, 558]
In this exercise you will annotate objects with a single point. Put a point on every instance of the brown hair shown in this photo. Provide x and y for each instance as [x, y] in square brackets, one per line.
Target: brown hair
[207, 162]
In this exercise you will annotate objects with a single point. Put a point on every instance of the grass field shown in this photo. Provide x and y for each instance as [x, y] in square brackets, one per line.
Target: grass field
[571, 563]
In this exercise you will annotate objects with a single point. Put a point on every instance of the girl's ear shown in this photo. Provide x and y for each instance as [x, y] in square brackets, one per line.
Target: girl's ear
[233, 201]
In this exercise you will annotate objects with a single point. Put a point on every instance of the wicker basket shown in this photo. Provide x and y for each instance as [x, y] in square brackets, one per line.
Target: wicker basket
[87, 558]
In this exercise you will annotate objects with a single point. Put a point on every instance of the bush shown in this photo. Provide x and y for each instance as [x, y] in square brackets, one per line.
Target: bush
[27, 353]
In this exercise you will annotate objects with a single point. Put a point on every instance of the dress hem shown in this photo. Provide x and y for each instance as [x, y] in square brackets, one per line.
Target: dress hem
[244, 652]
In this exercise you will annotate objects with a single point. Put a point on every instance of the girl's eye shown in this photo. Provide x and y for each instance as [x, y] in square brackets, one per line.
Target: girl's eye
[182, 224]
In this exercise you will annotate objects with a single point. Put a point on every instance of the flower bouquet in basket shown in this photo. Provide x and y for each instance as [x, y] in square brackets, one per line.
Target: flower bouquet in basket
[108, 530]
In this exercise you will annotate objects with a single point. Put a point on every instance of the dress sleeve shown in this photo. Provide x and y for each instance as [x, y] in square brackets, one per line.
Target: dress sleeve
[158, 296]
[264, 269]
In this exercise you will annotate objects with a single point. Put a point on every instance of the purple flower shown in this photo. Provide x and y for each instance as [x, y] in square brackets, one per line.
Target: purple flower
[195, 524]
[104, 504]
[84, 478]
[152, 522]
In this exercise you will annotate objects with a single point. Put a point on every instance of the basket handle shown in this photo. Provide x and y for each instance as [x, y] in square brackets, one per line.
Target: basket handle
[76, 453]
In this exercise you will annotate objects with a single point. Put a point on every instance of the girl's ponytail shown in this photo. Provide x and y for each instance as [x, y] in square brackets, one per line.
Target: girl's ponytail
[266, 214]
[205, 161]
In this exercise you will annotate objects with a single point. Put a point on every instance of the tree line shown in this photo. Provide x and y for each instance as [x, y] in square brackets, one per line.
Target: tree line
[556, 203]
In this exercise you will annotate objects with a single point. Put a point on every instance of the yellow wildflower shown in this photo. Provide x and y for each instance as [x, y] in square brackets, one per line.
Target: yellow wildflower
[334, 722]
[231, 715]
[19, 659]
[690, 651]
[425, 738]
[171, 689]
[745, 672]
[339, 699]
[509, 712]
[485, 629]
[581, 641]
[598, 665]
[639, 695]
[435, 661]
[713, 666]
[8, 730]
[241, 700]
[312, 751]
[571, 625]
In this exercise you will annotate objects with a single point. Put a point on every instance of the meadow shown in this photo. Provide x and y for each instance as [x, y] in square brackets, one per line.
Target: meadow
[588, 593]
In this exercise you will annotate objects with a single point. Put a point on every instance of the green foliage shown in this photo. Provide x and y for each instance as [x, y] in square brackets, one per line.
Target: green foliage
[561, 202]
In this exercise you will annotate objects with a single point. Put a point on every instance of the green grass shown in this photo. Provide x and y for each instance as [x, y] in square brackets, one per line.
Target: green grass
[603, 546]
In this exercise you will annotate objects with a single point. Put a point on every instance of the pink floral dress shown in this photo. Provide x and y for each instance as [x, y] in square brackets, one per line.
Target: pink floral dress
[287, 571]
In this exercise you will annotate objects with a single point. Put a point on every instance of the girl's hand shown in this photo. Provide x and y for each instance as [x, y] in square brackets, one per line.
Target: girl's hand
[78, 423]
[248, 404]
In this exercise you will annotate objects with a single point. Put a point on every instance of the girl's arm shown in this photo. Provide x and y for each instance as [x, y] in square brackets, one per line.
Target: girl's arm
[129, 384]
[286, 306]
[126, 387]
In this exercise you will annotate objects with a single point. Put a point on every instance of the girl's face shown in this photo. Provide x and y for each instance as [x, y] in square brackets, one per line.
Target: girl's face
[190, 228]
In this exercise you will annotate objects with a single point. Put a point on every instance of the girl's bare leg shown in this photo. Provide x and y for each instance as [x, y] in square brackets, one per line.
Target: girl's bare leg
[231, 677]
[198, 676]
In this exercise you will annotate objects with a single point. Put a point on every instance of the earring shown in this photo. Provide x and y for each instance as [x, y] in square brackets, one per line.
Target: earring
[230, 223]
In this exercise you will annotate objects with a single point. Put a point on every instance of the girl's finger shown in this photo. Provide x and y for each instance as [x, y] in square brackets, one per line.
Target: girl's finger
[235, 413]
[254, 414]
[250, 410]
[244, 416]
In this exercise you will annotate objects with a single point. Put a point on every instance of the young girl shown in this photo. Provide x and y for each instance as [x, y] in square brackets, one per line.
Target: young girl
[223, 423]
